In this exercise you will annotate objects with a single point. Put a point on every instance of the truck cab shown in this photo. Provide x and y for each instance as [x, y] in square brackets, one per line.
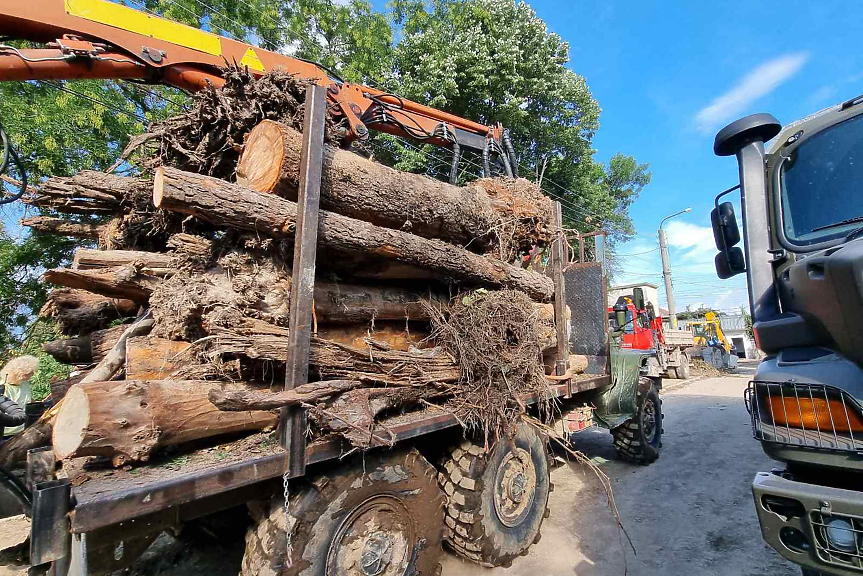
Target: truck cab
[803, 259]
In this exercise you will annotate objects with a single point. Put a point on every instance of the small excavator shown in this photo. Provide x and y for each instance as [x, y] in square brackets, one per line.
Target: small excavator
[716, 349]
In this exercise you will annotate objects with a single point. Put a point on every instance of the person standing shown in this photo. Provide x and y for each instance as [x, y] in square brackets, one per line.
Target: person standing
[15, 376]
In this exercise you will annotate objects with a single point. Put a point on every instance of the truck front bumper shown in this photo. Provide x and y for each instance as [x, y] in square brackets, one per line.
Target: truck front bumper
[817, 527]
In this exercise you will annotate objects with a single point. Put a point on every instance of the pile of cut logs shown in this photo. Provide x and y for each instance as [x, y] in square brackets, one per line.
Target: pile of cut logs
[179, 297]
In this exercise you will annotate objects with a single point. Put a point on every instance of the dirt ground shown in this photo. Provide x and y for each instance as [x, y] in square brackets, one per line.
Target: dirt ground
[689, 513]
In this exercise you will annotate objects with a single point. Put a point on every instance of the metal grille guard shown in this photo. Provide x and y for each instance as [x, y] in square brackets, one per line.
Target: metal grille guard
[830, 409]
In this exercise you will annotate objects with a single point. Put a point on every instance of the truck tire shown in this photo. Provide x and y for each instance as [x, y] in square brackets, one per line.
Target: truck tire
[639, 439]
[381, 513]
[496, 502]
[683, 371]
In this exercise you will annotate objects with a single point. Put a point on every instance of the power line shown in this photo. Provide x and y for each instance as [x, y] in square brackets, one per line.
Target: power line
[95, 101]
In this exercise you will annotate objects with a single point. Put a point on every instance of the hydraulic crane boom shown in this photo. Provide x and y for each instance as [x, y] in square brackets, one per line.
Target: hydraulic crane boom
[102, 39]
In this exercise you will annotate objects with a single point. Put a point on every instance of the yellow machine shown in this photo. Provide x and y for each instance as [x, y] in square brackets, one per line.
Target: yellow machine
[715, 347]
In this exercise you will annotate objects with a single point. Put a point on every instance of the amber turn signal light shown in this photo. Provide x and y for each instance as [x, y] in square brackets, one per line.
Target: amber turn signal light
[830, 414]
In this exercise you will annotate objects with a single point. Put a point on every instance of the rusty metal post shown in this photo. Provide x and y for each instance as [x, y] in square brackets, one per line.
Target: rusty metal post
[559, 262]
[293, 420]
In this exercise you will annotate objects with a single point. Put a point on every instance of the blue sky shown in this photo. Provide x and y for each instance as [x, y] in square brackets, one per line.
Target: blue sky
[669, 75]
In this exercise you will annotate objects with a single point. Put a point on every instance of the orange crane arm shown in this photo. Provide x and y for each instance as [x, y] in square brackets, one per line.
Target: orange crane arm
[103, 39]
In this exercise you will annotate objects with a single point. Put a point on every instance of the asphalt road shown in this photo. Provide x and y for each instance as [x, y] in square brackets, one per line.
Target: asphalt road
[689, 513]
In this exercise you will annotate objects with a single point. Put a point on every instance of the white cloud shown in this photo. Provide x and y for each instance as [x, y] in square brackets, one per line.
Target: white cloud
[695, 241]
[757, 83]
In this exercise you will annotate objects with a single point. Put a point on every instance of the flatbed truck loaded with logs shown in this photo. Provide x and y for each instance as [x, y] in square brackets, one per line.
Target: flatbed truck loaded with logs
[372, 362]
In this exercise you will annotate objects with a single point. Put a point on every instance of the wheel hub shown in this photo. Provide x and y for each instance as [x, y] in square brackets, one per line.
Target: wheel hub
[648, 421]
[376, 539]
[515, 487]
[377, 553]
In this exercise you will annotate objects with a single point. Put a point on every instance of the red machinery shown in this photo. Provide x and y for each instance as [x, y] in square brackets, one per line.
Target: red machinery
[643, 330]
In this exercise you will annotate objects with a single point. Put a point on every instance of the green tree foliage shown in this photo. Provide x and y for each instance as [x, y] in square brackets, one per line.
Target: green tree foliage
[495, 61]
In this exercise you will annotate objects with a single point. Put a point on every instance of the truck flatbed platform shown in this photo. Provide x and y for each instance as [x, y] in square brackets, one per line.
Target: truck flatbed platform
[212, 479]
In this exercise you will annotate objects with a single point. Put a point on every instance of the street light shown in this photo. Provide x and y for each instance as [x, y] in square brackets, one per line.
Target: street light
[666, 269]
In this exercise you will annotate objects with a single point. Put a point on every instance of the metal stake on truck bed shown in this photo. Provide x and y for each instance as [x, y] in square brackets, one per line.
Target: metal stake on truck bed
[293, 420]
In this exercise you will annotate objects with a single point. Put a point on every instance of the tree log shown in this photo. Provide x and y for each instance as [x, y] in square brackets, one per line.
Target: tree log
[84, 349]
[149, 263]
[150, 358]
[89, 192]
[226, 204]
[240, 399]
[60, 227]
[354, 186]
[121, 282]
[80, 312]
[385, 335]
[116, 357]
[258, 340]
[128, 420]
[60, 387]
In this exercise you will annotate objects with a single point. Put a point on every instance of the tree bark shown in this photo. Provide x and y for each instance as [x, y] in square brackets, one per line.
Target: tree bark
[226, 204]
[240, 399]
[60, 227]
[84, 349]
[258, 340]
[150, 263]
[80, 312]
[150, 358]
[128, 420]
[120, 282]
[89, 192]
[116, 357]
[354, 186]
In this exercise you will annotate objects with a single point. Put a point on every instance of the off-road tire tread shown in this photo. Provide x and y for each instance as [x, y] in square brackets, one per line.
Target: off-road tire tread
[627, 440]
[268, 532]
[460, 477]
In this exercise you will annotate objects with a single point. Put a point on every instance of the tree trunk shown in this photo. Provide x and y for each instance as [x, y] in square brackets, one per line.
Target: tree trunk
[60, 387]
[243, 399]
[150, 358]
[128, 420]
[258, 340]
[81, 312]
[365, 190]
[150, 263]
[121, 282]
[231, 205]
[84, 349]
[116, 356]
[89, 192]
[60, 227]
[380, 335]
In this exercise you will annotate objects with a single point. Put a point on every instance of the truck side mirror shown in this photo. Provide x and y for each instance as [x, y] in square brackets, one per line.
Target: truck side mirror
[620, 315]
[726, 234]
[725, 231]
[729, 263]
[638, 298]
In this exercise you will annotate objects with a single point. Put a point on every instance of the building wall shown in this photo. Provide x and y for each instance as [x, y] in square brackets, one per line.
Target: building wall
[651, 293]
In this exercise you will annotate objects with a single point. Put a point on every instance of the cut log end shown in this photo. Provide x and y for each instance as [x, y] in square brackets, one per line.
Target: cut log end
[71, 424]
[158, 187]
[260, 165]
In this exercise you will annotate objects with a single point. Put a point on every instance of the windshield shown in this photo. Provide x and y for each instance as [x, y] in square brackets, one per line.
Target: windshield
[820, 185]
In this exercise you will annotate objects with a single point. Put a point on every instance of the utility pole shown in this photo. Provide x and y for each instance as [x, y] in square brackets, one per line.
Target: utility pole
[666, 269]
